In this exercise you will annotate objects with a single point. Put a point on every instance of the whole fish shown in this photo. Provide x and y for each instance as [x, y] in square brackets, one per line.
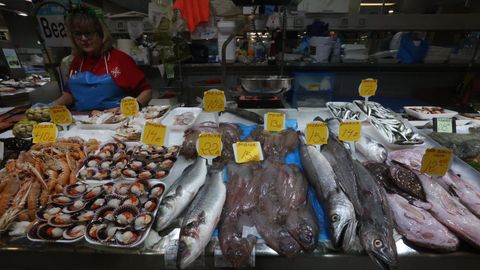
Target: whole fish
[181, 193]
[374, 216]
[467, 193]
[321, 176]
[419, 227]
[371, 149]
[200, 220]
[249, 115]
[411, 157]
[450, 212]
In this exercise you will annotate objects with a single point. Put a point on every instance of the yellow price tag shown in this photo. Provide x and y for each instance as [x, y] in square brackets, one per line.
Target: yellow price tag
[436, 161]
[154, 133]
[209, 145]
[368, 88]
[129, 106]
[214, 101]
[316, 133]
[44, 133]
[60, 115]
[247, 152]
[349, 131]
[274, 121]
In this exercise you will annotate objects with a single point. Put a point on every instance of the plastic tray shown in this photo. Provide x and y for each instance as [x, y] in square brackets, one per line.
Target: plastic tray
[168, 120]
[409, 110]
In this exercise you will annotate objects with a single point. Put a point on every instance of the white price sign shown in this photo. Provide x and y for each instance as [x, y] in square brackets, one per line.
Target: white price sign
[53, 30]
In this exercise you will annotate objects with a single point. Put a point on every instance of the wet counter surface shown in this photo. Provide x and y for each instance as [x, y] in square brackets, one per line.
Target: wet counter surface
[23, 254]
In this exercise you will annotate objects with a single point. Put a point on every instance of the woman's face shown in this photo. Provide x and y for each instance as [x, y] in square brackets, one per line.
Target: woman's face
[89, 42]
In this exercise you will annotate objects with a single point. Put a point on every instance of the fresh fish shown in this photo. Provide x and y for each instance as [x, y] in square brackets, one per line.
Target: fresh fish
[411, 157]
[181, 193]
[450, 212]
[322, 177]
[371, 149]
[276, 144]
[467, 193]
[200, 220]
[249, 115]
[374, 215]
[344, 112]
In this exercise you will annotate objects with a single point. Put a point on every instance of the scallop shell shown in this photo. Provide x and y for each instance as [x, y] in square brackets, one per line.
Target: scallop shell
[99, 202]
[121, 163]
[110, 147]
[107, 233]
[106, 164]
[84, 216]
[143, 221]
[87, 173]
[114, 200]
[150, 205]
[122, 188]
[92, 193]
[105, 213]
[118, 155]
[108, 188]
[166, 164]
[93, 161]
[127, 236]
[121, 145]
[47, 212]
[76, 206]
[75, 190]
[33, 231]
[161, 174]
[136, 164]
[145, 175]
[157, 191]
[173, 149]
[101, 174]
[105, 154]
[93, 228]
[74, 232]
[115, 173]
[63, 220]
[132, 201]
[61, 199]
[139, 187]
[151, 166]
[48, 232]
[125, 215]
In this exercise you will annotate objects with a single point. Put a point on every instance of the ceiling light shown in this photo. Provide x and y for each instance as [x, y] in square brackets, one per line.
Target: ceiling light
[2, 4]
[391, 11]
[22, 14]
[376, 4]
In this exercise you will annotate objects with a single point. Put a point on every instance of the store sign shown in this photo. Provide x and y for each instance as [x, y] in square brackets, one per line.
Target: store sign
[316, 133]
[54, 30]
[247, 152]
[436, 161]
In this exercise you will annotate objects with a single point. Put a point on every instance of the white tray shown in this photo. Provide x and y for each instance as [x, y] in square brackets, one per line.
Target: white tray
[168, 120]
[419, 115]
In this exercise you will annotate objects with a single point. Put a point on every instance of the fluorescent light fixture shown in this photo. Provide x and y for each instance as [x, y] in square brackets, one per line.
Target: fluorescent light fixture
[391, 11]
[2, 4]
[22, 14]
[29, 1]
[376, 4]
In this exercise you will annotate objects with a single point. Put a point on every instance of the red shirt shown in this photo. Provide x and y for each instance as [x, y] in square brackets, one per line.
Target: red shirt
[125, 73]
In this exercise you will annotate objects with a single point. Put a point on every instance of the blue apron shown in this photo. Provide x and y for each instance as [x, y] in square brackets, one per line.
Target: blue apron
[95, 92]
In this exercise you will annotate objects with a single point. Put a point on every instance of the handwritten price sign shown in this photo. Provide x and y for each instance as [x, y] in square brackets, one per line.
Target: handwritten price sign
[154, 133]
[129, 106]
[60, 115]
[436, 161]
[247, 152]
[368, 88]
[350, 131]
[274, 121]
[214, 101]
[44, 133]
[209, 145]
[316, 133]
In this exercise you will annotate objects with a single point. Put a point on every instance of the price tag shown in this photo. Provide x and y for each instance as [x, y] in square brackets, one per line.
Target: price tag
[349, 131]
[154, 133]
[316, 133]
[274, 121]
[247, 152]
[44, 133]
[368, 88]
[209, 145]
[214, 100]
[444, 125]
[60, 115]
[436, 161]
[129, 106]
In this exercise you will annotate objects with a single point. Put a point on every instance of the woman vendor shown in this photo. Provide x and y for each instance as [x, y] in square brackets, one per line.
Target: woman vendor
[100, 75]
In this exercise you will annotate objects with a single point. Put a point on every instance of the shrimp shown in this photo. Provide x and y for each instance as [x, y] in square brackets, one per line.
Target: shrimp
[8, 194]
[32, 200]
[62, 166]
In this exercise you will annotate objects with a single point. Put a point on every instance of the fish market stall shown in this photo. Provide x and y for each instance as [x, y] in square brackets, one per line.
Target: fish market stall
[99, 197]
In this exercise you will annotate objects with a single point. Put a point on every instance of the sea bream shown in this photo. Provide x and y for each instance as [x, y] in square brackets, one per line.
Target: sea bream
[321, 176]
[200, 220]
[374, 216]
[450, 212]
[419, 227]
[181, 193]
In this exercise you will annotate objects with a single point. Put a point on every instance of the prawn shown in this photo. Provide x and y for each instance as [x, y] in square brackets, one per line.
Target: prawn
[32, 200]
[11, 188]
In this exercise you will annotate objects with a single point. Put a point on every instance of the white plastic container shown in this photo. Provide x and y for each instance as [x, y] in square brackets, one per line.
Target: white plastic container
[424, 116]
[320, 48]
[225, 28]
[170, 118]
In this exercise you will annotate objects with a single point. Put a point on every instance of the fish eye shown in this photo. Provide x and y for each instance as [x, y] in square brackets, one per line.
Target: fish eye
[334, 218]
[377, 243]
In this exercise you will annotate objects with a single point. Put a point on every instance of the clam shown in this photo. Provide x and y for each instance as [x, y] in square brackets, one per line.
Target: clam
[46, 213]
[151, 166]
[48, 232]
[121, 163]
[157, 190]
[93, 161]
[105, 213]
[132, 200]
[97, 203]
[74, 232]
[74, 207]
[161, 174]
[61, 220]
[115, 173]
[122, 188]
[139, 187]
[145, 175]
[61, 199]
[114, 200]
[150, 205]
[92, 193]
[101, 174]
[129, 173]
[125, 215]
[108, 188]
[87, 173]
[136, 164]
[84, 216]
[106, 164]
[166, 164]
[127, 237]
[75, 190]
[142, 221]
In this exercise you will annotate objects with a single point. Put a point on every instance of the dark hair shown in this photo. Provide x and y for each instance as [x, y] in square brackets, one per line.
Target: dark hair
[87, 20]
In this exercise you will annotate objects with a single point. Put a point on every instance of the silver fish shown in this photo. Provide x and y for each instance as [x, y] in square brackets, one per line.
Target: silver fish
[321, 176]
[371, 149]
[419, 227]
[450, 212]
[181, 193]
[374, 216]
[201, 219]
[249, 115]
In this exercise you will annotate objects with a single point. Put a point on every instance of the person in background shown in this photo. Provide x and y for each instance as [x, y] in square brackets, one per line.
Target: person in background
[100, 75]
